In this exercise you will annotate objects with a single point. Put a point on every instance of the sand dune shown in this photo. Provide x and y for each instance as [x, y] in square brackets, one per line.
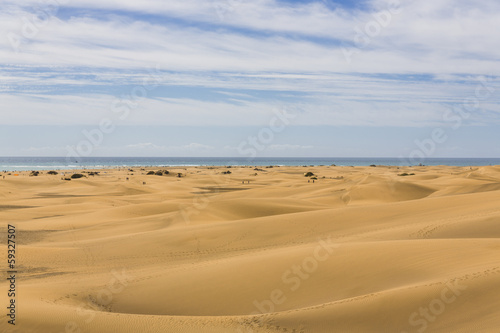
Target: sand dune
[362, 249]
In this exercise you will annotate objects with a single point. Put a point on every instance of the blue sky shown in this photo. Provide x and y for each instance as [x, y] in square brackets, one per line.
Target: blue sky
[202, 78]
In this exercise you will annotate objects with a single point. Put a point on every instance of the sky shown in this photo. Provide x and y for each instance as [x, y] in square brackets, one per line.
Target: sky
[373, 78]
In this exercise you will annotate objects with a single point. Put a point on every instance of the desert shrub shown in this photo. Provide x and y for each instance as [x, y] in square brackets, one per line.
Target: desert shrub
[309, 174]
[34, 173]
[226, 172]
[150, 173]
[77, 176]
[404, 174]
[159, 173]
[373, 165]
[52, 173]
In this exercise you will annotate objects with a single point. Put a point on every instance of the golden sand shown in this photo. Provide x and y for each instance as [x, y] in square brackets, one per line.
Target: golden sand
[360, 249]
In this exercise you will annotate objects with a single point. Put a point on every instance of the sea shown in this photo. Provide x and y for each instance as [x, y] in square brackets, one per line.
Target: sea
[63, 163]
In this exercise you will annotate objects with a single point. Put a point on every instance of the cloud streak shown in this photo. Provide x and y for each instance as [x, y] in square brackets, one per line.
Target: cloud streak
[276, 37]
[230, 63]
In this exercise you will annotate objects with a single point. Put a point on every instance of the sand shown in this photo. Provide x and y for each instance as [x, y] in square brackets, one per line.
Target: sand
[362, 249]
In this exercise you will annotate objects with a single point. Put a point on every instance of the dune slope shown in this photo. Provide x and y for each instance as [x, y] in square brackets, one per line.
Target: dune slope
[361, 249]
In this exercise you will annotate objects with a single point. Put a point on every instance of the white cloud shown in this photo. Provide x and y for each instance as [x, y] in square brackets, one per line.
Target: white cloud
[289, 147]
[442, 37]
[353, 104]
[191, 147]
[196, 146]
[291, 47]
[144, 146]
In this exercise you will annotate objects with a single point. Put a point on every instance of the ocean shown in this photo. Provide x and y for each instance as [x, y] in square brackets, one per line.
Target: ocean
[60, 163]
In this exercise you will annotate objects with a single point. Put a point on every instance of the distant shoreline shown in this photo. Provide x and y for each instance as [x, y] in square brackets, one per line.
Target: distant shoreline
[62, 163]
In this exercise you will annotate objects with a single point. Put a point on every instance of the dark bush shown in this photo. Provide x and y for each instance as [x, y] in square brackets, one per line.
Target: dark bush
[309, 174]
[52, 173]
[150, 173]
[77, 176]
[226, 172]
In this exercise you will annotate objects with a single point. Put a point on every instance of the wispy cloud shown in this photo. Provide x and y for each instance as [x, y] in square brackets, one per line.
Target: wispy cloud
[288, 147]
[231, 63]
[431, 38]
[189, 147]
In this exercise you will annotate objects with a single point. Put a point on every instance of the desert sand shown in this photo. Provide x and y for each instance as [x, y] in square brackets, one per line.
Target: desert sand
[360, 249]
